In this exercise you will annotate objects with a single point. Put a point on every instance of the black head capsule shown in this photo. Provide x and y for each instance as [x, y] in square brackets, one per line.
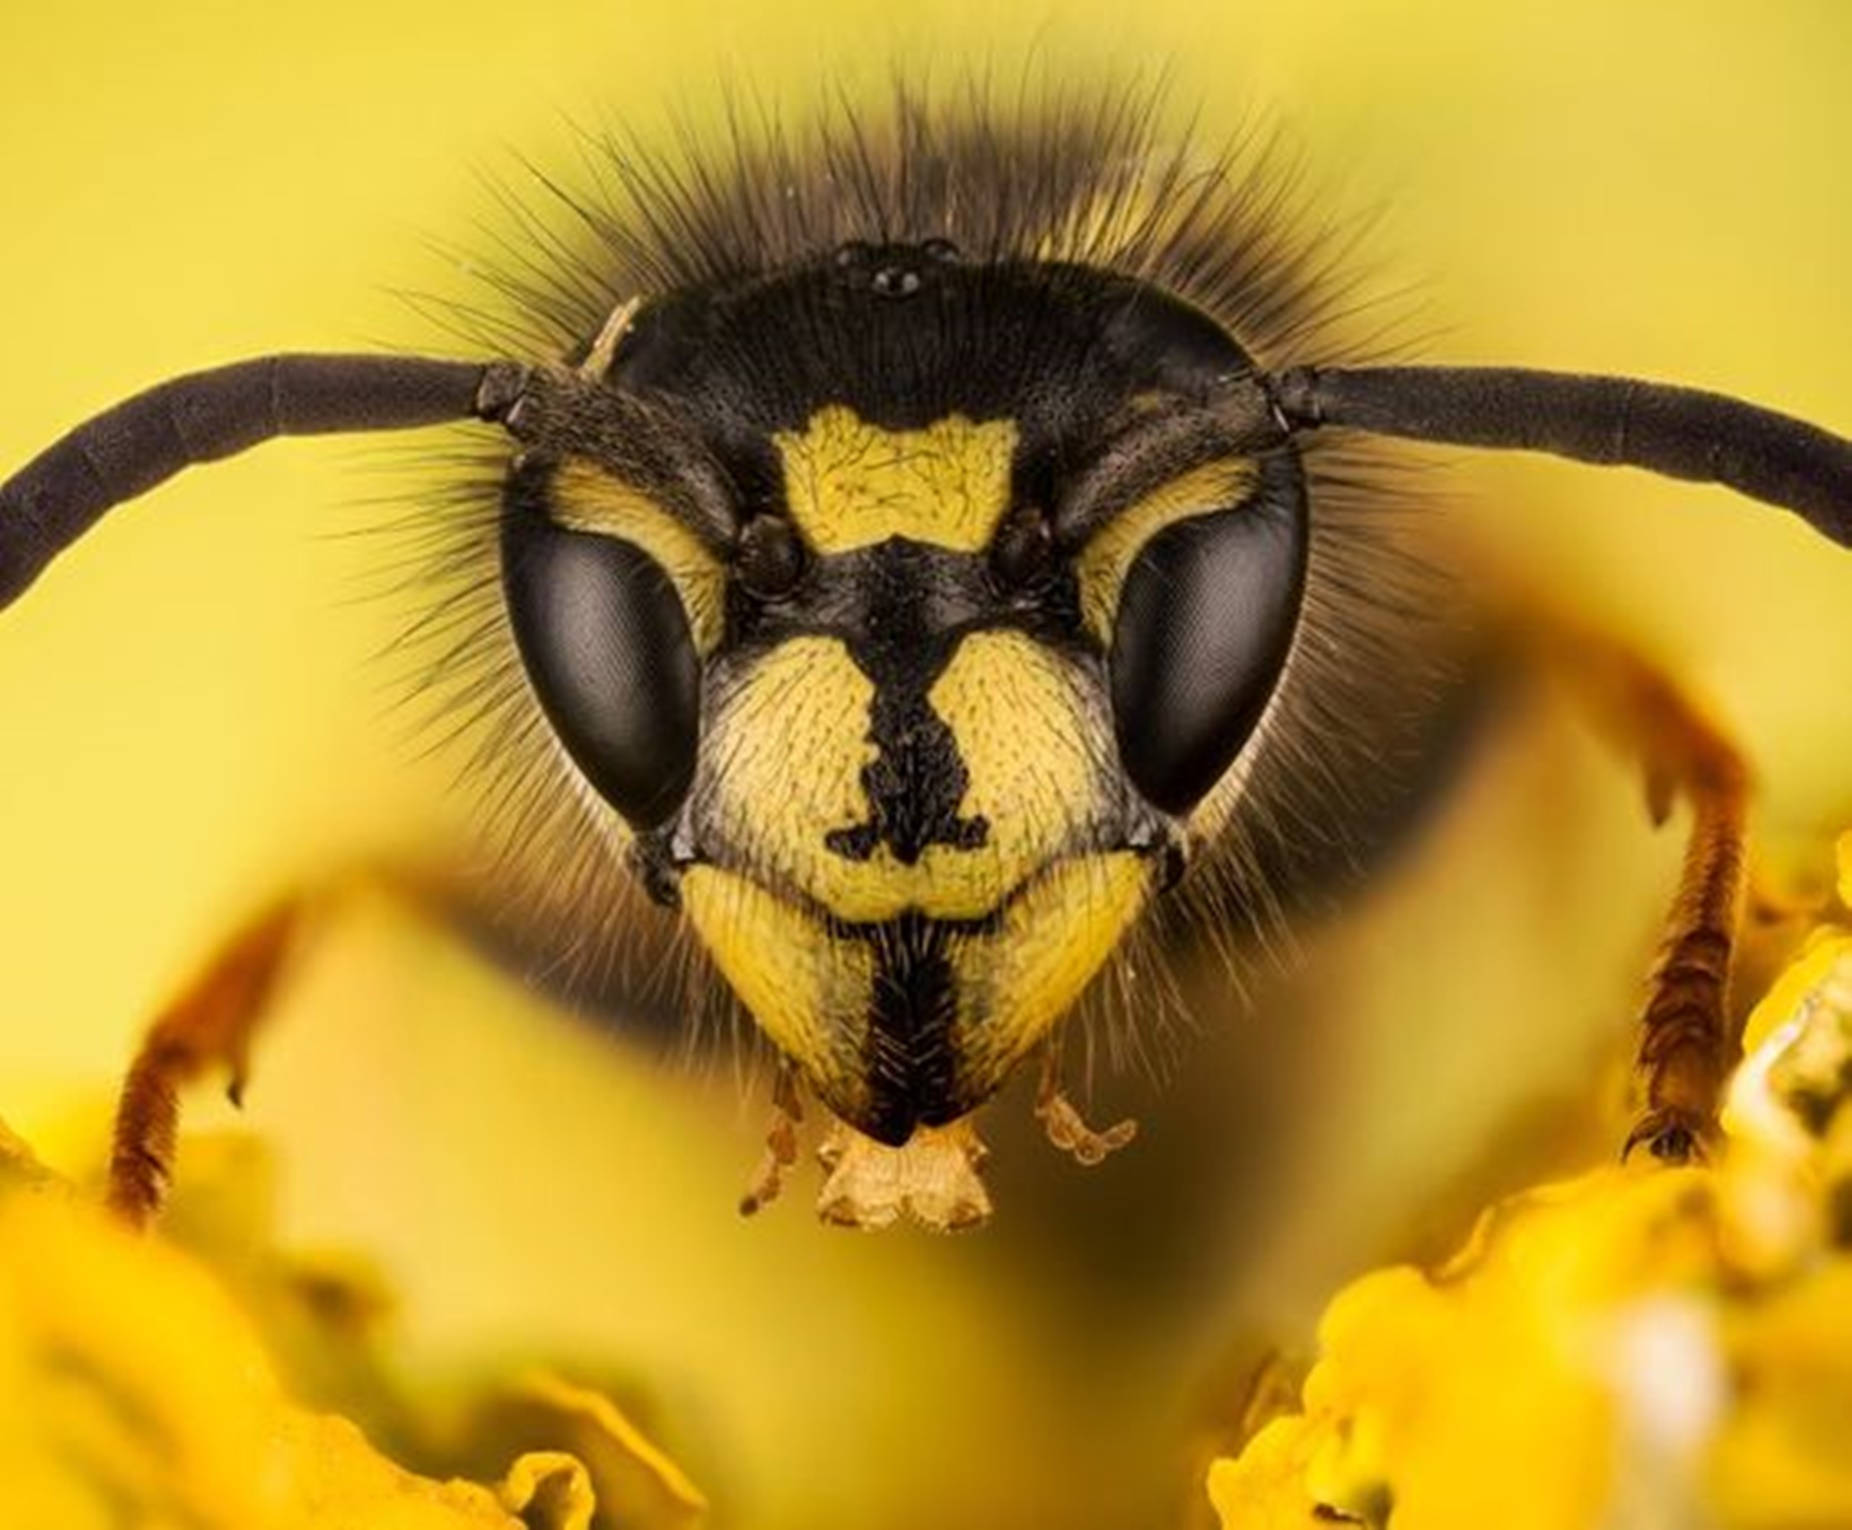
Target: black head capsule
[893, 271]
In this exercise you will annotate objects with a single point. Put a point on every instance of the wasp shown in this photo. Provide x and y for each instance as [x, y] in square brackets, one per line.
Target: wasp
[921, 553]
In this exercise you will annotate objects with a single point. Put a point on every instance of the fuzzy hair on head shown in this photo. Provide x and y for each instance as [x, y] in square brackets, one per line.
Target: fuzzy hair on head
[1104, 177]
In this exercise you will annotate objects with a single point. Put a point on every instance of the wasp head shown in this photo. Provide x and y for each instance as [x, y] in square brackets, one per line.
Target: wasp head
[912, 613]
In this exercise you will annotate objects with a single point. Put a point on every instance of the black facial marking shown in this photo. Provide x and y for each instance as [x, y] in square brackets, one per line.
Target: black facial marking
[909, 1062]
[914, 607]
[900, 609]
[914, 785]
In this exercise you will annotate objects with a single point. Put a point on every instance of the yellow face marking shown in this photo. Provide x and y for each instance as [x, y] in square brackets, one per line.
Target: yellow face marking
[586, 498]
[812, 992]
[1015, 983]
[1108, 557]
[850, 484]
[808, 992]
[793, 739]
[788, 745]
[1022, 724]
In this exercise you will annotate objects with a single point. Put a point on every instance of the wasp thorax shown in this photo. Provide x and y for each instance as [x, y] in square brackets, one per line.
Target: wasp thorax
[919, 732]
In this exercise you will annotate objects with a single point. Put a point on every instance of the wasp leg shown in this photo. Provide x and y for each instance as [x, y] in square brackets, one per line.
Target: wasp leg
[210, 1023]
[1067, 1129]
[1688, 1043]
[768, 1179]
[1688, 1040]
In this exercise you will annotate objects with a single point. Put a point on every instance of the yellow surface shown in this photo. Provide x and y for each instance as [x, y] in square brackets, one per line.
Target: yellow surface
[809, 992]
[1017, 983]
[1641, 1345]
[796, 735]
[1021, 717]
[133, 1391]
[188, 712]
[850, 484]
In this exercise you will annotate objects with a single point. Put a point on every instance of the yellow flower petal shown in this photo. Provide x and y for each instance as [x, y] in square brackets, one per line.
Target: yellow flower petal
[641, 1488]
[1640, 1346]
[133, 1390]
[550, 1490]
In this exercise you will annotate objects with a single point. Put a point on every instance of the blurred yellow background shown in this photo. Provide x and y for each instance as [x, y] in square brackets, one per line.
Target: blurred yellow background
[190, 719]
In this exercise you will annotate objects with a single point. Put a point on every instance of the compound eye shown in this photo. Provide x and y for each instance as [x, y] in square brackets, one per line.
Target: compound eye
[608, 648]
[1205, 619]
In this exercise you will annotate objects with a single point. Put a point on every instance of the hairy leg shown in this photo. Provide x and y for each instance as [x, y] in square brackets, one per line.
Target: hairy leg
[209, 1024]
[1689, 1040]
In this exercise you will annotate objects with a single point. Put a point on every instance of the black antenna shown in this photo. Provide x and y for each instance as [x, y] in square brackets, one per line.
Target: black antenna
[127, 450]
[1680, 432]
[1616, 421]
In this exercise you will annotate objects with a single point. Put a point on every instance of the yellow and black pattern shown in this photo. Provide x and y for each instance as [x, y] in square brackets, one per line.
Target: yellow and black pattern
[931, 956]
[849, 484]
[586, 497]
[910, 841]
[915, 826]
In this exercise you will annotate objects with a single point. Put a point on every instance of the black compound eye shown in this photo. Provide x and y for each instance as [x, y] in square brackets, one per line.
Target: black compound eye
[1205, 620]
[608, 649]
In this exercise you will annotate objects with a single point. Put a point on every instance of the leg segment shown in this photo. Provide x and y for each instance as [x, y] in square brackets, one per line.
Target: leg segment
[1689, 1041]
[209, 1024]
[1061, 1119]
[768, 1179]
